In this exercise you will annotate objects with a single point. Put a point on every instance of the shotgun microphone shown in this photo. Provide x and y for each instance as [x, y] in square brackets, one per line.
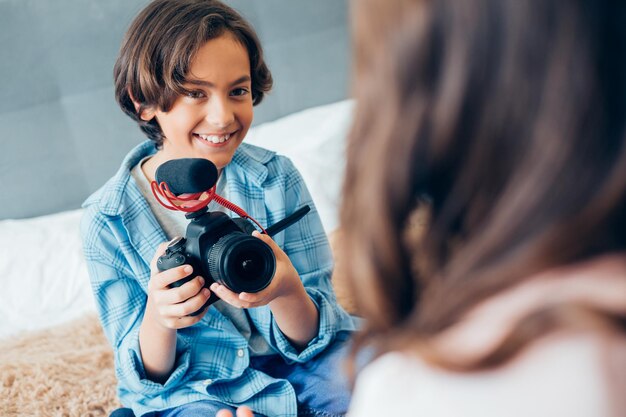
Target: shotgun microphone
[187, 175]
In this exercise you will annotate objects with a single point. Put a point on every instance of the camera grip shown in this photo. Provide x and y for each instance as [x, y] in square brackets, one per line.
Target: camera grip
[175, 256]
[173, 259]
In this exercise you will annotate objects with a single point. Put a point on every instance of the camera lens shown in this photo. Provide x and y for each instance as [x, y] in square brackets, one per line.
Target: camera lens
[248, 265]
[241, 262]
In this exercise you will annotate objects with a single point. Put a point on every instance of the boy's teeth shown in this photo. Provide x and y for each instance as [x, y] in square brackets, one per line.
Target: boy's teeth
[215, 138]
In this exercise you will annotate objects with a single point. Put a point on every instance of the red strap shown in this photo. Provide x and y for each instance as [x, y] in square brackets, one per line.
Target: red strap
[162, 192]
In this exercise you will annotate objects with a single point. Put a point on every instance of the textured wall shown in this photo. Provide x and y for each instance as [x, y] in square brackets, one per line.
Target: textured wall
[61, 132]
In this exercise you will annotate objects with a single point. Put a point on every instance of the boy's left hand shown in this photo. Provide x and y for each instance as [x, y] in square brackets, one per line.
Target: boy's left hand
[286, 281]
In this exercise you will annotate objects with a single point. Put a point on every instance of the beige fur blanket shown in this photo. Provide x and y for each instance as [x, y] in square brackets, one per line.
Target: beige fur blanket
[66, 371]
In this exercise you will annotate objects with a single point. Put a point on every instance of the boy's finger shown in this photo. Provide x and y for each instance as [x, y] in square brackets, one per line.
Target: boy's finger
[227, 295]
[166, 278]
[186, 321]
[273, 245]
[174, 295]
[252, 298]
[186, 308]
[265, 238]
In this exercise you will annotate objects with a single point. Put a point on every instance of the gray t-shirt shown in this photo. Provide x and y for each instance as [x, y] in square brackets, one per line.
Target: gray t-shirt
[174, 223]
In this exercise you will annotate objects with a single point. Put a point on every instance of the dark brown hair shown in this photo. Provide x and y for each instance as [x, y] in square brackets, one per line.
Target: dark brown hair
[507, 120]
[160, 45]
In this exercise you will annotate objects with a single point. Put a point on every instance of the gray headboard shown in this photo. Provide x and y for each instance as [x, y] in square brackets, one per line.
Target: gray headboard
[61, 132]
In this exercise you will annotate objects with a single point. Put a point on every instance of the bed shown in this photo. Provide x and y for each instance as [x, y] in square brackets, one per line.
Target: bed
[54, 359]
[46, 252]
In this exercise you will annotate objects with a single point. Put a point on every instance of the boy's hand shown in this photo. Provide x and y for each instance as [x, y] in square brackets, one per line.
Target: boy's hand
[171, 307]
[286, 281]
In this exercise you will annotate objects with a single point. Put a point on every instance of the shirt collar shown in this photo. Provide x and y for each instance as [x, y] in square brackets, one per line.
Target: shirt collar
[252, 162]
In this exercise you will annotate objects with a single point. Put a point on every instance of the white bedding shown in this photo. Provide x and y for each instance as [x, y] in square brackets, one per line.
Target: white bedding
[43, 277]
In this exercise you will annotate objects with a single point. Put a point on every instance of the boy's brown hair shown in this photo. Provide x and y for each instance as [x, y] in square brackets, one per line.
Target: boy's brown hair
[158, 49]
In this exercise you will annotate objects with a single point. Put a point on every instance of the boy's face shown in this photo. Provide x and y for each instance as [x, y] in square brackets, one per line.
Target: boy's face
[212, 120]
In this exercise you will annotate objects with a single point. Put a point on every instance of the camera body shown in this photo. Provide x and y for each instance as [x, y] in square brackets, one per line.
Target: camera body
[221, 249]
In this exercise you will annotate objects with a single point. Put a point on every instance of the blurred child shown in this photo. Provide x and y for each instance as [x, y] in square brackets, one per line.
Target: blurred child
[505, 122]
[189, 73]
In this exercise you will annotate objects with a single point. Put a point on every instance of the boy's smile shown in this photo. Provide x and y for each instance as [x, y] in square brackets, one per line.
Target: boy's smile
[211, 120]
[214, 139]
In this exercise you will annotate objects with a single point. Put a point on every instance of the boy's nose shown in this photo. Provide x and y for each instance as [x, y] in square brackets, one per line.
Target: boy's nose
[219, 113]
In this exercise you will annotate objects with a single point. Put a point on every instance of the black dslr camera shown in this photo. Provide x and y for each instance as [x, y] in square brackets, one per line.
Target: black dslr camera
[219, 248]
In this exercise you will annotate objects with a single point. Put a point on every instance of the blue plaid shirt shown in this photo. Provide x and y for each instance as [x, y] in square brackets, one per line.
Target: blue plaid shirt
[120, 237]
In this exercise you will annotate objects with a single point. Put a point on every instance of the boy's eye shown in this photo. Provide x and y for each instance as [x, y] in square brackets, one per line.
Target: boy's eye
[239, 92]
[194, 94]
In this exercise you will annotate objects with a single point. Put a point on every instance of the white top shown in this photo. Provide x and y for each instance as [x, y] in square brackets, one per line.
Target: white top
[562, 378]
[562, 374]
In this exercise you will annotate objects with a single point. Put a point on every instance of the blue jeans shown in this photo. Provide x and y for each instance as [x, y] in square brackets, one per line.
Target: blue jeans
[322, 389]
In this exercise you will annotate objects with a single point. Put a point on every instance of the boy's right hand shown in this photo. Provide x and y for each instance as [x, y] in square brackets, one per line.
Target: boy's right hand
[171, 307]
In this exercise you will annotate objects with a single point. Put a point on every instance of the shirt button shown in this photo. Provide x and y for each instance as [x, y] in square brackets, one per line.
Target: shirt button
[207, 382]
[240, 353]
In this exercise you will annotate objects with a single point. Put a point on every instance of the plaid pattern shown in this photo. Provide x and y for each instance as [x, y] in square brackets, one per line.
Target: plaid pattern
[120, 236]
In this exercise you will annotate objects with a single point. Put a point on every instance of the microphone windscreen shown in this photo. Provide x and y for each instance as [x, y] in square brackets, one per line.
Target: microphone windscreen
[187, 175]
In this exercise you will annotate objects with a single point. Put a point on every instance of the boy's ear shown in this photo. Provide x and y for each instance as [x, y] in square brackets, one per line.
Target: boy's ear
[146, 114]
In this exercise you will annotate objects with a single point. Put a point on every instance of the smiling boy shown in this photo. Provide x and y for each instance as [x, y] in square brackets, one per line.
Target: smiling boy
[189, 72]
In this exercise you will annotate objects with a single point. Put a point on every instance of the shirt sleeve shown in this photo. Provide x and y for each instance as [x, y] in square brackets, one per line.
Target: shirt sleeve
[121, 302]
[308, 248]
